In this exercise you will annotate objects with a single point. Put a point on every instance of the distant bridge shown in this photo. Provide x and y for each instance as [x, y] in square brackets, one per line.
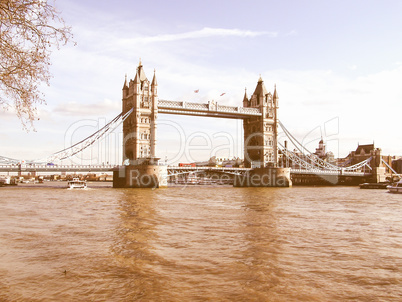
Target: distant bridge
[172, 170]
[55, 168]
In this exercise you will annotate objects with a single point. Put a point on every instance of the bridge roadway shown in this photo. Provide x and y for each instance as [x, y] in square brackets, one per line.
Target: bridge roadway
[230, 170]
[172, 170]
[109, 168]
[56, 168]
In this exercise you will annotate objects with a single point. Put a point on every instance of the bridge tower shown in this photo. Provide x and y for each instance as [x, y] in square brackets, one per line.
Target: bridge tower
[260, 133]
[140, 167]
[139, 129]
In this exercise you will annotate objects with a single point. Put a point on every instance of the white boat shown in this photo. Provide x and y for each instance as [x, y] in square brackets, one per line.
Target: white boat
[395, 188]
[7, 181]
[77, 184]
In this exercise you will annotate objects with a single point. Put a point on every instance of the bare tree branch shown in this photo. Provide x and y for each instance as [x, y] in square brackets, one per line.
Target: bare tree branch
[28, 30]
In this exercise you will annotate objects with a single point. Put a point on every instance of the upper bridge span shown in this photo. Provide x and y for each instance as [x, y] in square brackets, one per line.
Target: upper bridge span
[210, 109]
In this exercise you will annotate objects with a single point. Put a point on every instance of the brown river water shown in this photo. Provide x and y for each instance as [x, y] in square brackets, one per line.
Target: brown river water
[199, 243]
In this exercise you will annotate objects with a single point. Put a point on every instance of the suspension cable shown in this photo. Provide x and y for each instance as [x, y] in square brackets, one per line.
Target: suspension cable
[313, 157]
[88, 141]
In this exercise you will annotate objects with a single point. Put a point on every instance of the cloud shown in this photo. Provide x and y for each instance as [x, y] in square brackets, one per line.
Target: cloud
[206, 32]
[291, 33]
[76, 109]
[7, 112]
[365, 105]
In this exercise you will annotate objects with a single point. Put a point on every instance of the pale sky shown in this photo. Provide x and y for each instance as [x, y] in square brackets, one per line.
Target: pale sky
[337, 66]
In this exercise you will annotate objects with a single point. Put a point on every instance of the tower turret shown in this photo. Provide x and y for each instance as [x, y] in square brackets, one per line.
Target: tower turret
[245, 99]
[154, 114]
[154, 84]
[259, 94]
[275, 98]
[125, 88]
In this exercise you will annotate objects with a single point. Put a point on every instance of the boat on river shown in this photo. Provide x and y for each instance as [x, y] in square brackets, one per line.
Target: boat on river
[7, 181]
[395, 188]
[76, 183]
[380, 185]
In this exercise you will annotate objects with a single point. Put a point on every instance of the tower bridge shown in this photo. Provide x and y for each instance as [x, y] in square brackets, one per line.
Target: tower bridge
[263, 154]
[259, 115]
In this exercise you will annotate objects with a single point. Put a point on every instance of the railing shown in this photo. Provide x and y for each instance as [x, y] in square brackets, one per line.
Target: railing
[196, 106]
[254, 111]
[208, 168]
[170, 104]
[327, 172]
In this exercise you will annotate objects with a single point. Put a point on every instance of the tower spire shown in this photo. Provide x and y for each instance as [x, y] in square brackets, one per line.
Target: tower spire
[136, 78]
[154, 82]
[275, 96]
[245, 98]
[125, 85]
[141, 73]
[260, 90]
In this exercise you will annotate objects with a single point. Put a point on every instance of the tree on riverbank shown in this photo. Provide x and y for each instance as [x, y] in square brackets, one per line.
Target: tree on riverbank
[28, 31]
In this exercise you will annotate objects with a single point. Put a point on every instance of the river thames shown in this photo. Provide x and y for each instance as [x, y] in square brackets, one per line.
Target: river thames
[199, 243]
